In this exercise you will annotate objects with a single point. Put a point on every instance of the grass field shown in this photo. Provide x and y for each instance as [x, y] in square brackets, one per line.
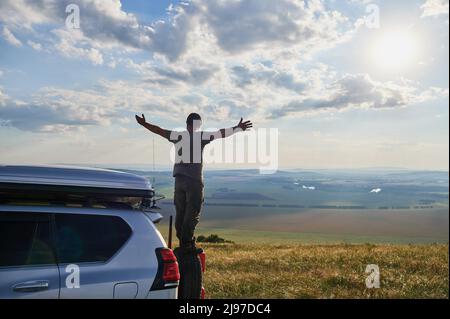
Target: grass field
[325, 271]
[276, 237]
[251, 236]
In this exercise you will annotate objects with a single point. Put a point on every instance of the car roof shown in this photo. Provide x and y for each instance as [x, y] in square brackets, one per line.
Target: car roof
[60, 178]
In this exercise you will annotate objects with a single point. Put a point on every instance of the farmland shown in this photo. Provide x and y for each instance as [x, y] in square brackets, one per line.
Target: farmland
[325, 271]
[320, 206]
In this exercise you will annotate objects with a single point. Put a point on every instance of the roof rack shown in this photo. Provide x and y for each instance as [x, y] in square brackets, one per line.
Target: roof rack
[18, 180]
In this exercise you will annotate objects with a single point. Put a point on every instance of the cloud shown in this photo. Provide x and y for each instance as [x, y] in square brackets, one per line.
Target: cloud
[246, 75]
[72, 44]
[268, 91]
[25, 13]
[195, 75]
[359, 91]
[36, 46]
[249, 24]
[235, 27]
[10, 38]
[434, 8]
[42, 118]
[3, 96]
[103, 23]
[55, 110]
[360, 1]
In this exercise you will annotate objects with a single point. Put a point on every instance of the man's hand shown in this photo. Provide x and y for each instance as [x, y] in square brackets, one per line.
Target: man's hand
[141, 120]
[153, 128]
[244, 125]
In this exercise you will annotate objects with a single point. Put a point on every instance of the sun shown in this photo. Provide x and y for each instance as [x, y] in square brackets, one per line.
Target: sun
[395, 50]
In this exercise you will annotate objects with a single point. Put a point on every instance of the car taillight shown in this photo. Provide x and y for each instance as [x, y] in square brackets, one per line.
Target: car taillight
[202, 257]
[171, 273]
[167, 255]
[168, 275]
[203, 293]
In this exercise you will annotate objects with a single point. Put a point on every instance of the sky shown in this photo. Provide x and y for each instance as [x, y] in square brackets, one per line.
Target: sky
[348, 84]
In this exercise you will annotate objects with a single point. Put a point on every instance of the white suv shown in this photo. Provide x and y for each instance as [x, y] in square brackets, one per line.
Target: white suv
[68, 232]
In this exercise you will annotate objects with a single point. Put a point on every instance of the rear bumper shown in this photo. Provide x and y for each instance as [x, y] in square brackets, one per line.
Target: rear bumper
[163, 294]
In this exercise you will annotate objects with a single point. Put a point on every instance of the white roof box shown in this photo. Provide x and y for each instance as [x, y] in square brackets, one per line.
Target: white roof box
[74, 180]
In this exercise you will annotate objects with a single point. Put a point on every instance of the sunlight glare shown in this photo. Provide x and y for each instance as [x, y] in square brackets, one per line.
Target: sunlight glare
[395, 50]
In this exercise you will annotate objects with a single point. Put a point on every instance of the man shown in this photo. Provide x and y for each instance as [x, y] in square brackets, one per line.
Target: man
[188, 195]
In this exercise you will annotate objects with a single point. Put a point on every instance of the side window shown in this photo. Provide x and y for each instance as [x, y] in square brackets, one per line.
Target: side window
[25, 239]
[89, 238]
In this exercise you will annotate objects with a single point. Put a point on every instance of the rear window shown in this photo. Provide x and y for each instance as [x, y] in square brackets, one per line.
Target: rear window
[89, 238]
[25, 239]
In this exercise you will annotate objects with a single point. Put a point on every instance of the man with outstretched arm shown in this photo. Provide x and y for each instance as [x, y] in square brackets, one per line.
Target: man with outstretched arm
[188, 170]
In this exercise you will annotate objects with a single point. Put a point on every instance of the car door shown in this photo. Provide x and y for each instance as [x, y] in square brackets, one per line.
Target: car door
[28, 266]
[86, 244]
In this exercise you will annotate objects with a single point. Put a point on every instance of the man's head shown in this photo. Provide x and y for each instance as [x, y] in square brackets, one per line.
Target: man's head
[193, 122]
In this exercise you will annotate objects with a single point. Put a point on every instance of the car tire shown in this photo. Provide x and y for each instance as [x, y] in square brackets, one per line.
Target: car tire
[190, 286]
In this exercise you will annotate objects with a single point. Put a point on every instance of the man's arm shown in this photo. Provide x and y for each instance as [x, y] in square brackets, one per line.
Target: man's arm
[153, 128]
[226, 132]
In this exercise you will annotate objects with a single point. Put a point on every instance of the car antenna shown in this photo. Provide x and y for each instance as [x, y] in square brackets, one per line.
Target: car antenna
[170, 232]
[153, 161]
[154, 206]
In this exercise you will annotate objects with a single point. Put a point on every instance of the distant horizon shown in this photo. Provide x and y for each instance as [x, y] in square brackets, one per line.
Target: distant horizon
[164, 168]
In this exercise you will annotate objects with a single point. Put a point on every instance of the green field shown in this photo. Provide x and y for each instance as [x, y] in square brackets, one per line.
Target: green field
[261, 225]
[243, 236]
[325, 271]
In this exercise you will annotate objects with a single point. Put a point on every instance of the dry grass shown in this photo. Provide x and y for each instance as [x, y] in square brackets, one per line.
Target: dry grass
[327, 271]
